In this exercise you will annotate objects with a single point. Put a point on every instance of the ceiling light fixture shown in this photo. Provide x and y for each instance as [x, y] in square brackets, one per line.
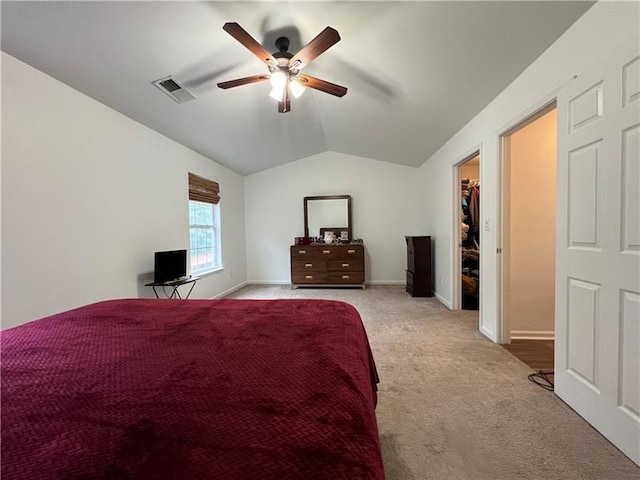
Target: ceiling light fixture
[296, 88]
[281, 80]
[284, 67]
[278, 79]
[277, 93]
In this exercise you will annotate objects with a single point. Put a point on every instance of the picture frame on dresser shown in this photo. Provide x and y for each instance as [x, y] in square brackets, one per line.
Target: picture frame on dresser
[329, 230]
[341, 233]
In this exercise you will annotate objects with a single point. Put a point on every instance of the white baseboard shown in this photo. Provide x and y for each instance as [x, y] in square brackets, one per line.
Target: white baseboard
[532, 335]
[386, 282]
[229, 291]
[442, 300]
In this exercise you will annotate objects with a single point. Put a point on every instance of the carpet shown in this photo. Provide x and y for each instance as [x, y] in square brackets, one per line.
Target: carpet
[454, 405]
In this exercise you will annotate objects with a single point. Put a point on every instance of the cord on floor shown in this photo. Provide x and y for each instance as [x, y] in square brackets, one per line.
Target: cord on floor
[540, 378]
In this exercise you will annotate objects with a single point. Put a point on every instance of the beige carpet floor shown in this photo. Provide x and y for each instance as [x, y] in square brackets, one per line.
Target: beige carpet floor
[454, 405]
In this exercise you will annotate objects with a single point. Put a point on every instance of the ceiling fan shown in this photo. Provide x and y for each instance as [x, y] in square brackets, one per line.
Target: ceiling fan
[284, 67]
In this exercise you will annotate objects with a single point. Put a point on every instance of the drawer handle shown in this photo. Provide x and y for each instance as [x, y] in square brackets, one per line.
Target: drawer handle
[308, 265]
[345, 277]
[351, 251]
[326, 252]
[302, 252]
[308, 277]
[345, 265]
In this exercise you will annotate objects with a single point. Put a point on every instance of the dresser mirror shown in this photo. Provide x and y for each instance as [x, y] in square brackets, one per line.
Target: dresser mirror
[328, 213]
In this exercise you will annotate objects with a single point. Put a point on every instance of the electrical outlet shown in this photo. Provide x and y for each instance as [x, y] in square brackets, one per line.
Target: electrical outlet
[487, 225]
[440, 280]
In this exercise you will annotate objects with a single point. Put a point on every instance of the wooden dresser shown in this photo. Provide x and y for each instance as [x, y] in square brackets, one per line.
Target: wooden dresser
[419, 282]
[327, 265]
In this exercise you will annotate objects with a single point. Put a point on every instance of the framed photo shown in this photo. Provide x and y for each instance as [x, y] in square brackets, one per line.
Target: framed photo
[342, 234]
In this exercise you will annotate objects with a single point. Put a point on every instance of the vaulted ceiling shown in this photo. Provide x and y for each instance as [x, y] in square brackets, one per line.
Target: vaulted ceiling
[416, 71]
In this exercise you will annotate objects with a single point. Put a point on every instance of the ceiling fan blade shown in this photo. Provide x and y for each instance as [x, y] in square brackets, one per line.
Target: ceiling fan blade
[322, 85]
[241, 35]
[325, 40]
[243, 81]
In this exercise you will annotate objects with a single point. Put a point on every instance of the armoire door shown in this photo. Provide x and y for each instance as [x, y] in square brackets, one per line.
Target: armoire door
[597, 361]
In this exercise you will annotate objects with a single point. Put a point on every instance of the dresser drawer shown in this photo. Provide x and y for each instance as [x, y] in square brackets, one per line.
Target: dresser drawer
[418, 254]
[308, 277]
[350, 251]
[419, 284]
[310, 264]
[409, 281]
[317, 251]
[345, 278]
[302, 251]
[346, 265]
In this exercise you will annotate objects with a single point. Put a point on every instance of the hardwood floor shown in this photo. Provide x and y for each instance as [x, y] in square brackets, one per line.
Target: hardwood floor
[538, 354]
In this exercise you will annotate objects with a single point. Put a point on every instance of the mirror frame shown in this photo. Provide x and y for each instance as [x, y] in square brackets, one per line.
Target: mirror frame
[328, 197]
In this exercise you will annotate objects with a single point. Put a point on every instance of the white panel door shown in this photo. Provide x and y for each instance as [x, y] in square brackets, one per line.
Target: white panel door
[597, 362]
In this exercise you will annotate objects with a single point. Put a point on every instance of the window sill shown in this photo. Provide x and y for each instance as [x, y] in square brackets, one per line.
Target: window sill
[208, 272]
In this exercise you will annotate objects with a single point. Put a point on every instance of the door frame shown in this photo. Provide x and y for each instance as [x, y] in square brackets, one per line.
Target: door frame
[455, 261]
[502, 225]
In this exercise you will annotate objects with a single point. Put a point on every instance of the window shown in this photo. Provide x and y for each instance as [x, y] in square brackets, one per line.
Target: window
[204, 225]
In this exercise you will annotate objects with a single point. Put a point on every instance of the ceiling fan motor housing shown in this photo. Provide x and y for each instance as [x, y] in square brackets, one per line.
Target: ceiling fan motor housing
[283, 64]
[282, 44]
[282, 56]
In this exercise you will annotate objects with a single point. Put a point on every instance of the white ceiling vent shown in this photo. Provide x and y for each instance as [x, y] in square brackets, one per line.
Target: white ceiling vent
[174, 89]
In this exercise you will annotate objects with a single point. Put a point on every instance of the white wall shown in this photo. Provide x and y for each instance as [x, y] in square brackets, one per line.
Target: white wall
[88, 195]
[387, 204]
[532, 229]
[599, 31]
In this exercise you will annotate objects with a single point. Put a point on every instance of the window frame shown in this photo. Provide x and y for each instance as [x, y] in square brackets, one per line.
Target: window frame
[215, 226]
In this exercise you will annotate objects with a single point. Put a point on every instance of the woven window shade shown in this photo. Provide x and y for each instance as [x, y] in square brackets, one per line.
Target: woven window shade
[203, 190]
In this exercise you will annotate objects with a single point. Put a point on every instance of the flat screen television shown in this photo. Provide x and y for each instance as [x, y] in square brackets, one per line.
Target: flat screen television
[169, 265]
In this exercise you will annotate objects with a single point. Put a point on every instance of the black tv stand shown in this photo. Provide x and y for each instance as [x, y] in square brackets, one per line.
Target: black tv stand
[173, 284]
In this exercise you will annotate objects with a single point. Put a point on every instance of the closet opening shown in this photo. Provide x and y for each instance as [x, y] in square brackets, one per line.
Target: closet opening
[528, 228]
[470, 233]
[466, 233]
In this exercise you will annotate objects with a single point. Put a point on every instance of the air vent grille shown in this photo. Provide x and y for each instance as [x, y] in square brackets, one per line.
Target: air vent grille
[174, 89]
[170, 85]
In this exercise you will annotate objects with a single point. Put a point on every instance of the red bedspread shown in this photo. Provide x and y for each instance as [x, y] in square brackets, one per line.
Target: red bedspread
[195, 389]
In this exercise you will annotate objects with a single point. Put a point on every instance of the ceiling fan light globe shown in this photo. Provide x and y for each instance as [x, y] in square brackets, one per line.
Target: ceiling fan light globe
[296, 89]
[277, 93]
[278, 79]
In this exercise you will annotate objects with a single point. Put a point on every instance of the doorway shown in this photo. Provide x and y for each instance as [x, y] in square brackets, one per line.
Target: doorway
[470, 233]
[466, 232]
[529, 155]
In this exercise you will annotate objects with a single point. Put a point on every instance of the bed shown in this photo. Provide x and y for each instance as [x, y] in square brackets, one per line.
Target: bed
[191, 389]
